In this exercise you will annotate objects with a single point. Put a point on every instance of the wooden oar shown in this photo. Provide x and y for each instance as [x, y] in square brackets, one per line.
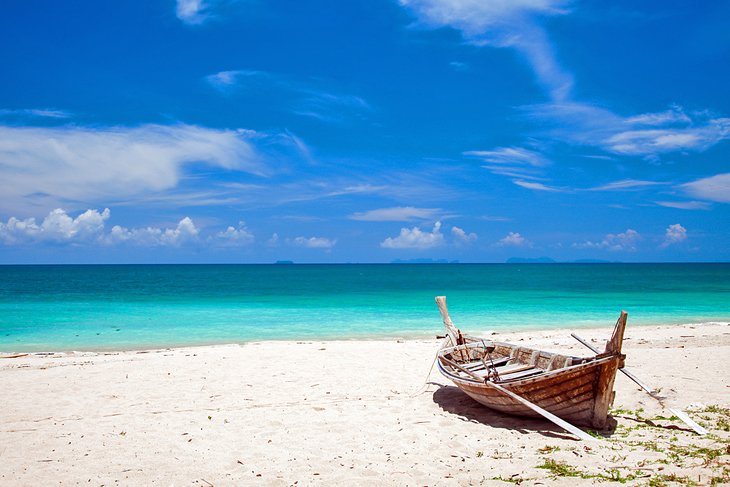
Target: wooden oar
[677, 412]
[545, 414]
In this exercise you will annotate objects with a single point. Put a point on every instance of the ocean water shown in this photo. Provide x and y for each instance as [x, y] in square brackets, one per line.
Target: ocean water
[97, 307]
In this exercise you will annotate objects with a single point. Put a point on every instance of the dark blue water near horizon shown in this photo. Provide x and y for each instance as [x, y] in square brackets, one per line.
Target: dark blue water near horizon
[93, 307]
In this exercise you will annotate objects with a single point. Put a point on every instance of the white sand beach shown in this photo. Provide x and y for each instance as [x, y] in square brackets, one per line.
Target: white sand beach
[349, 412]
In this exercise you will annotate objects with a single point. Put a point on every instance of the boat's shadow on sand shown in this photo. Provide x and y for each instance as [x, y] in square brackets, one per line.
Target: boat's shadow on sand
[452, 400]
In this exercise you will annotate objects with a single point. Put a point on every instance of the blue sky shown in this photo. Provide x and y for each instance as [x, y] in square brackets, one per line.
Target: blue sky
[470, 130]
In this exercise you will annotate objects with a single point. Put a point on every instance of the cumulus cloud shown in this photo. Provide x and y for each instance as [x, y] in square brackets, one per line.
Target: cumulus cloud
[714, 188]
[314, 242]
[184, 232]
[415, 238]
[233, 236]
[674, 234]
[513, 239]
[462, 237]
[625, 241]
[503, 23]
[102, 163]
[396, 214]
[58, 227]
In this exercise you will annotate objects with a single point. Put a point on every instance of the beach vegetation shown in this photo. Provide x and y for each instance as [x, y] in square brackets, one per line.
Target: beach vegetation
[515, 479]
[559, 469]
[663, 480]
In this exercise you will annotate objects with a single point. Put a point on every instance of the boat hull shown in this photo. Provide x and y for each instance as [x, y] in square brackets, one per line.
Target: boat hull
[575, 394]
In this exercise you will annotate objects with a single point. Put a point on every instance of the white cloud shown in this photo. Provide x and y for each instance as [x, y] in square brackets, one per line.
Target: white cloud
[511, 156]
[462, 237]
[415, 238]
[674, 234]
[34, 112]
[184, 232]
[586, 124]
[685, 205]
[625, 241]
[58, 226]
[503, 23]
[514, 239]
[674, 115]
[314, 242]
[492, 218]
[225, 80]
[273, 241]
[304, 97]
[195, 12]
[396, 214]
[233, 236]
[536, 186]
[623, 185]
[515, 162]
[714, 188]
[104, 163]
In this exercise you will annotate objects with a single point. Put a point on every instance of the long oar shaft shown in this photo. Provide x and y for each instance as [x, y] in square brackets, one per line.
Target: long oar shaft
[625, 372]
[678, 413]
[547, 415]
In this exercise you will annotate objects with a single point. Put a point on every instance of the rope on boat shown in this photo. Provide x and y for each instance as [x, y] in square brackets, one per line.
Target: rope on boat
[424, 386]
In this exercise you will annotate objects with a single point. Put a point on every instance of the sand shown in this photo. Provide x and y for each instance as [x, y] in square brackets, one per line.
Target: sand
[348, 412]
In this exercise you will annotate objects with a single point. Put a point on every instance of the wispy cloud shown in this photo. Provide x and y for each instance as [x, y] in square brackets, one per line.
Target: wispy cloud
[685, 205]
[514, 24]
[397, 214]
[459, 66]
[35, 112]
[625, 185]
[515, 162]
[713, 188]
[224, 81]
[196, 12]
[191, 11]
[537, 186]
[304, 97]
[415, 238]
[75, 163]
[621, 242]
[517, 156]
[648, 134]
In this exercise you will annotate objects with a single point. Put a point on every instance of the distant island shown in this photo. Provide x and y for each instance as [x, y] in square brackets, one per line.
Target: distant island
[424, 261]
[548, 260]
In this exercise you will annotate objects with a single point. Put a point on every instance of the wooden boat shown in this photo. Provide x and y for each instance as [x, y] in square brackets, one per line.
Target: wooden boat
[513, 378]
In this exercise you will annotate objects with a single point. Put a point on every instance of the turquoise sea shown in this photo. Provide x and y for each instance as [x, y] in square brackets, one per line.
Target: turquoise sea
[94, 307]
